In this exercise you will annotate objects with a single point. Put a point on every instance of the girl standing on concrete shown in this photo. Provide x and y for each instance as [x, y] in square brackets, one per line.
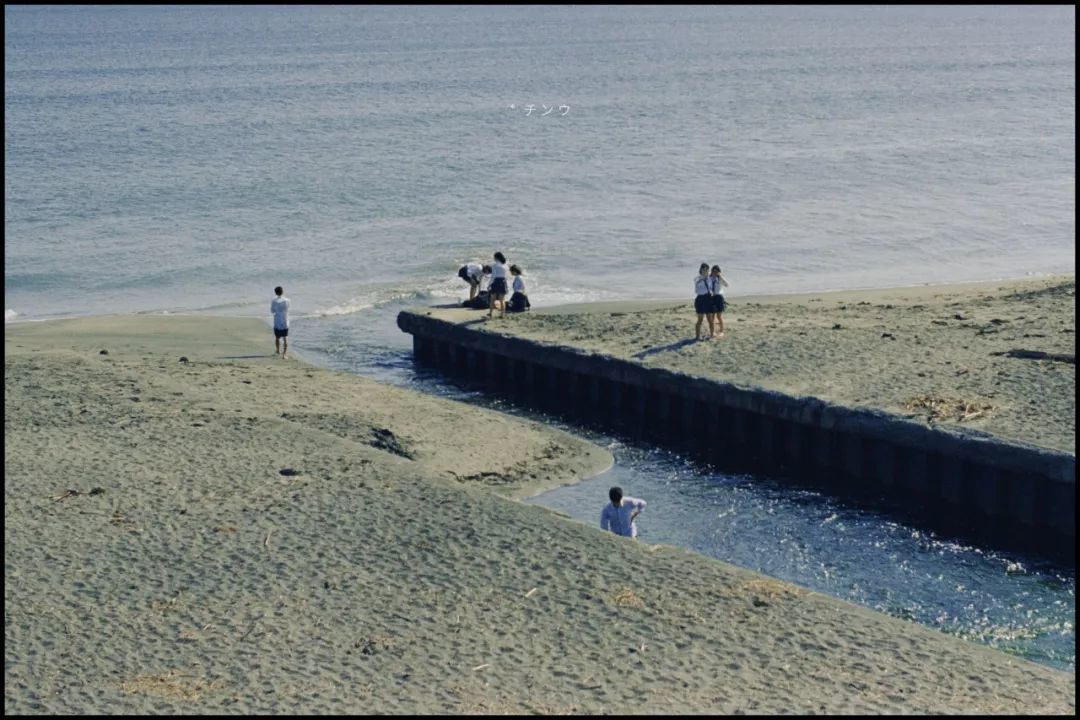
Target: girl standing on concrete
[717, 283]
[497, 289]
[703, 303]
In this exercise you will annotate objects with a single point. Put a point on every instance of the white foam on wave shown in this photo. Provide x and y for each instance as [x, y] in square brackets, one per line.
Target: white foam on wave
[548, 296]
[9, 315]
[454, 290]
[377, 298]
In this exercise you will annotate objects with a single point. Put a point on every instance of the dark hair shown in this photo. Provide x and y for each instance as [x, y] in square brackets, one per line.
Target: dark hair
[486, 269]
[278, 290]
[615, 494]
[515, 270]
[716, 268]
[500, 257]
[703, 265]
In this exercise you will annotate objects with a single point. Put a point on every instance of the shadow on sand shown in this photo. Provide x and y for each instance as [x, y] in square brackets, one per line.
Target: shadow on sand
[666, 348]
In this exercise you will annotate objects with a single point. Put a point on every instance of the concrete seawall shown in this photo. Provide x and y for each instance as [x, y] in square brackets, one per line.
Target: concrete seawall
[983, 488]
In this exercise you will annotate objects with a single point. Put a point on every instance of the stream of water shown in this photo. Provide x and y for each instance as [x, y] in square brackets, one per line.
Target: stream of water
[1018, 604]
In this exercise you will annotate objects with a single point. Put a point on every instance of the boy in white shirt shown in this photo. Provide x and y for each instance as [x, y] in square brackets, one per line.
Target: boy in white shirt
[279, 308]
[618, 515]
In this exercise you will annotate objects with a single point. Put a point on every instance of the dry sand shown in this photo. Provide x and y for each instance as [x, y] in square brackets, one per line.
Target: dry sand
[930, 352]
[252, 535]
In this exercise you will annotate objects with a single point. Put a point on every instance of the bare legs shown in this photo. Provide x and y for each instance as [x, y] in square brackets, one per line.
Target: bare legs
[501, 300]
[716, 325]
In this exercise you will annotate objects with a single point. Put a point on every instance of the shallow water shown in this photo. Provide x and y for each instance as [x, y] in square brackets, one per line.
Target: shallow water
[1018, 604]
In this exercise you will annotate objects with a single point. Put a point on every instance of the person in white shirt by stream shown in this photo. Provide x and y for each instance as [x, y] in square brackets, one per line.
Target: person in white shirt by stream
[619, 514]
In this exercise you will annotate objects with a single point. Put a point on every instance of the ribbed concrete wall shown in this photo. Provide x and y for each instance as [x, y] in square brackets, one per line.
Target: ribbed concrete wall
[1000, 493]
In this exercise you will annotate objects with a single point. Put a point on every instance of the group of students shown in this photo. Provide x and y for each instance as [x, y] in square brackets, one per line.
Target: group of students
[709, 301]
[494, 294]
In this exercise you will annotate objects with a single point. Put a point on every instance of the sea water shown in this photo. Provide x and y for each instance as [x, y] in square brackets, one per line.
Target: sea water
[188, 159]
[165, 158]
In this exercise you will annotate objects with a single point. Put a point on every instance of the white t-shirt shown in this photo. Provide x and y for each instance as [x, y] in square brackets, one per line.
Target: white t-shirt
[519, 284]
[617, 519]
[279, 308]
[498, 270]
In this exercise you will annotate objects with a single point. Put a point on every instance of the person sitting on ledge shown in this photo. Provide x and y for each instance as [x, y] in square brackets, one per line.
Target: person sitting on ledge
[519, 301]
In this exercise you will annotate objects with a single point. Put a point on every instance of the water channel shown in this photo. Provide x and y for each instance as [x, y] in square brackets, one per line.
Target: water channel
[1019, 604]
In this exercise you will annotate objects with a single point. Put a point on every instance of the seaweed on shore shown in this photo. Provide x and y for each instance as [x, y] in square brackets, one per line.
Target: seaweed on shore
[938, 408]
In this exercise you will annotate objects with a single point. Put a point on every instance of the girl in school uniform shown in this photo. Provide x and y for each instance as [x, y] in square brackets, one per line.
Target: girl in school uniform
[519, 301]
[497, 289]
[472, 273]
[703, 302]
[717, 283]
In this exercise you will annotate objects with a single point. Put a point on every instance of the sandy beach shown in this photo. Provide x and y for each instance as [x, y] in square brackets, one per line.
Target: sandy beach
[195, 526]
[997, 357]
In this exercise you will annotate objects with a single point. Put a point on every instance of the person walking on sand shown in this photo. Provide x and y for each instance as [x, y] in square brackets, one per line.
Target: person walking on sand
[618, 515]
[279, 308]
[717, 283]
[703, 302]
[497, 289]
[473, 273]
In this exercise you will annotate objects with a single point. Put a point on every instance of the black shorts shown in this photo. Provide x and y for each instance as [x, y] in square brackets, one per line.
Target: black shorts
[279, 333]
[719, 303]
[498, 286]
[703, 305]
